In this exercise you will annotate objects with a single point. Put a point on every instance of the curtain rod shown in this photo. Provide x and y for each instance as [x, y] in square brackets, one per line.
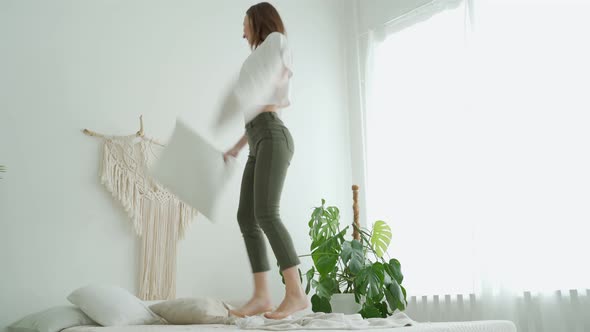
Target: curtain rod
[404, 15]
[397, 18]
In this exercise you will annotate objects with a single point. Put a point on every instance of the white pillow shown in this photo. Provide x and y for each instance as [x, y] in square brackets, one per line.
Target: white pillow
[192, 311]
[150, 302]
[112, 306]
[52, 320]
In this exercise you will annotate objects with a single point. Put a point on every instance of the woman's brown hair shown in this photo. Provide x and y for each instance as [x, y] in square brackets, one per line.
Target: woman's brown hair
[264, 19]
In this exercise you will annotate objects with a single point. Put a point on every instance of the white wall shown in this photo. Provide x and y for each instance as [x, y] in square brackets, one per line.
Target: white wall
[68, 65]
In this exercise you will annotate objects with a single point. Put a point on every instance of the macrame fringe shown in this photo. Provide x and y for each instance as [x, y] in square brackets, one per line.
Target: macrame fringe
[159, 218]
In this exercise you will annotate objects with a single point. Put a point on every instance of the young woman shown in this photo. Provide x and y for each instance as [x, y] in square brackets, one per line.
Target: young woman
[265, 77]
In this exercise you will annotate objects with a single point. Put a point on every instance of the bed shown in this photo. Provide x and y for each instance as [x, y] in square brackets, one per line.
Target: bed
[476, 326]
[106, 308]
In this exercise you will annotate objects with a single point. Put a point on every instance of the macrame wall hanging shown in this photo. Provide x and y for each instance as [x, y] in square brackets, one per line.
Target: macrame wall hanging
[159, 218]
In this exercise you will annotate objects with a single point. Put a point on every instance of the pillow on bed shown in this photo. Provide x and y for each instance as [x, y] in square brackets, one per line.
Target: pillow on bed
[52, 320]
[190, 310]
[112, 306]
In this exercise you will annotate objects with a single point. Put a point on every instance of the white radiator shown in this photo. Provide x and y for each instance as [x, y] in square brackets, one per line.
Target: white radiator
[560, 311]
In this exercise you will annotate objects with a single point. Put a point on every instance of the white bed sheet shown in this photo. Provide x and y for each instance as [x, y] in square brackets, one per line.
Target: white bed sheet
[476, 326]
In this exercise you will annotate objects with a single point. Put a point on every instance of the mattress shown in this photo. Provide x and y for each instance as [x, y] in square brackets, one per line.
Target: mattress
[476, 326]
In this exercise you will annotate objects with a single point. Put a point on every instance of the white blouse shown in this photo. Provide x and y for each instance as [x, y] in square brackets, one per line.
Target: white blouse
[264, 80]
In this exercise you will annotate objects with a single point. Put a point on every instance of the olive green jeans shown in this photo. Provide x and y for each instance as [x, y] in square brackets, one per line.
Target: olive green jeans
[271, 151]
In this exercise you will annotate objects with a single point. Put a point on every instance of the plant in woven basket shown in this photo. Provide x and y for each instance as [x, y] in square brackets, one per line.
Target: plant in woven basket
[355, 266]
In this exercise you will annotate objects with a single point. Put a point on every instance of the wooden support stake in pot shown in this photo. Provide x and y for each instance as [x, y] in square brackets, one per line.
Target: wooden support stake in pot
[355, 210]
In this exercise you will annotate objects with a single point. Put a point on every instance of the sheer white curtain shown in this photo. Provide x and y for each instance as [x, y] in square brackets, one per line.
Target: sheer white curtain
[478, 156]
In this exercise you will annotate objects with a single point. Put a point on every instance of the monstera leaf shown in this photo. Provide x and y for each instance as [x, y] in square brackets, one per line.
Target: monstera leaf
[324, 224]
[320, 304]
[381, 237]
[325, 256]
[395, 296]
[394, 269]
[370, 280]
[353, 255]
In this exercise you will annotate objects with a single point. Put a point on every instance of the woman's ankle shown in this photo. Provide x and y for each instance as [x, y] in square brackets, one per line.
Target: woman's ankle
[264, 297]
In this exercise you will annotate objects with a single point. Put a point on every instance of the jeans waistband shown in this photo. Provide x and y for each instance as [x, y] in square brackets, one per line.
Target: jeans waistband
[265, 119]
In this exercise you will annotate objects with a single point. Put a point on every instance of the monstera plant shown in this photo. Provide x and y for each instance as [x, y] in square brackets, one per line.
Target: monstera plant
[355, 266]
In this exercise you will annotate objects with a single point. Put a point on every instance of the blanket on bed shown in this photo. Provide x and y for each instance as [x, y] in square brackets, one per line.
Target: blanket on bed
[324, 321]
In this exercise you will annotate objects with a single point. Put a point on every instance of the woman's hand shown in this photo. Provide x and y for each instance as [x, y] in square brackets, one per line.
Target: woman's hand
[233, 152]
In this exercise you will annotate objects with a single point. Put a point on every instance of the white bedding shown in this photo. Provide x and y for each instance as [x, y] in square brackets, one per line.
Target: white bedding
[477, 326]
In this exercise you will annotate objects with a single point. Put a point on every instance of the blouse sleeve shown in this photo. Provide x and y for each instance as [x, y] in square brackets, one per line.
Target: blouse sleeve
[259, 76]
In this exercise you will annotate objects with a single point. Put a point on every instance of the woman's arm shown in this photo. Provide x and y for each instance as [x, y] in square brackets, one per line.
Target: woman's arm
[241, 142]
[236, 148]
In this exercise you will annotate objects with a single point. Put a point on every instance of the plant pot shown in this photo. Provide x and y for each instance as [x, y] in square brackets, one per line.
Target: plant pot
[344, 303]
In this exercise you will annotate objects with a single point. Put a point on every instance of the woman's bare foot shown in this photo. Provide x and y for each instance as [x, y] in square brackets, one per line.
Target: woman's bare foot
[255, 306]
[291, 304]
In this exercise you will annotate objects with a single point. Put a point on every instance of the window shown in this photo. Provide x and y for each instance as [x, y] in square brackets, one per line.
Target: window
[478, 154]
